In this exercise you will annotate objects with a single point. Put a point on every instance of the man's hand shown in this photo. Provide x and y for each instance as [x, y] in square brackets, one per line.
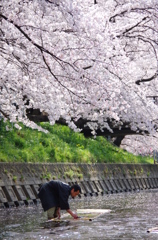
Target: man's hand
[72, 214]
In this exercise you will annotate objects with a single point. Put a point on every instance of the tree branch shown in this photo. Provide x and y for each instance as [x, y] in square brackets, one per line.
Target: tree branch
[4, 114]
[146, 79]
[112, 19]
[42, 49]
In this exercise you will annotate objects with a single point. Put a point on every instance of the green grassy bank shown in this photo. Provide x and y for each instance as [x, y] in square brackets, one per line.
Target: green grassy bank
[59, 145]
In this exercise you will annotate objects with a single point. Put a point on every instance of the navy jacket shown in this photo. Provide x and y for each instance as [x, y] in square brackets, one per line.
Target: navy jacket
[54, 194]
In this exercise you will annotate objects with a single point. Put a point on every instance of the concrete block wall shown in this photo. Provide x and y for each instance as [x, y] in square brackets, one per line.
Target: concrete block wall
[19, 182]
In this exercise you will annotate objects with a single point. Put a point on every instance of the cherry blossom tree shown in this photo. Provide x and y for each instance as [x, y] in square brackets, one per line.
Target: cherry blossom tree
[75, 59]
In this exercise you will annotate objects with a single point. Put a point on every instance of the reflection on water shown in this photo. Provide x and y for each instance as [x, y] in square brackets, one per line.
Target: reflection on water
[132, 214]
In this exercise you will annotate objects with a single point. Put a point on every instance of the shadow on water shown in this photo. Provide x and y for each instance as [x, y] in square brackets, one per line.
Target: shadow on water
[131, 216]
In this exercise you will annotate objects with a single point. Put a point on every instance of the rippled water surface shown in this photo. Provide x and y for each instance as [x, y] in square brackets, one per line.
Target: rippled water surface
[131, 216]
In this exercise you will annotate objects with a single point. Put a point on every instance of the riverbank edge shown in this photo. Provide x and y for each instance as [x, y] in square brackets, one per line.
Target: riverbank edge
[19, 182]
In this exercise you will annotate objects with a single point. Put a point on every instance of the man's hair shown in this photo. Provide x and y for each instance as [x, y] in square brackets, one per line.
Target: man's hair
[76, 187]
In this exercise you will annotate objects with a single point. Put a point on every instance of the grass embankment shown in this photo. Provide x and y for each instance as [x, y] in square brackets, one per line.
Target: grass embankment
[59, 145]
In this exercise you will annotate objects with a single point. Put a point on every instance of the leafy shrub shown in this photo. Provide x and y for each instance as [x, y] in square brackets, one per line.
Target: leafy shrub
[19, 143]
[61, 144]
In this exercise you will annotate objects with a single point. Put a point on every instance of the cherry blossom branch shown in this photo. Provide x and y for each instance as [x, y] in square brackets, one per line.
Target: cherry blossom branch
[49, 69]
[42, 49]
[146, 79]
[112, 19]
[4, 114]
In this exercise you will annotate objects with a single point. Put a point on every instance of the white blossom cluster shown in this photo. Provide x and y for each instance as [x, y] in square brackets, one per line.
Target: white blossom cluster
[76, 59]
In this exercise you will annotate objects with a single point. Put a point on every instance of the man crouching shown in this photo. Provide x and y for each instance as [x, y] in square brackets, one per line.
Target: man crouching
[54, 196]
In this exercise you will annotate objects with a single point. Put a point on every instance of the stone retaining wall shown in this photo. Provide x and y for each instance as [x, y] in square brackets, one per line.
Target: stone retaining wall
[19, 182]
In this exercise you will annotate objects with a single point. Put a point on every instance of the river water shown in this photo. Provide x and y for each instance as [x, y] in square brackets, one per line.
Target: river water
[132, 214]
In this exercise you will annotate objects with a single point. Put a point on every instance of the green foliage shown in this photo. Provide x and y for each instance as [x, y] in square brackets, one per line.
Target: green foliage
[14, 178]
[19, 143]
[61, 144]
[69, 174]
[73, 173]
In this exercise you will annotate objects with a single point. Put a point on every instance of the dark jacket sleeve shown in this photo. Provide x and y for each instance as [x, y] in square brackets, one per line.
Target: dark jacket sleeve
[64, 192]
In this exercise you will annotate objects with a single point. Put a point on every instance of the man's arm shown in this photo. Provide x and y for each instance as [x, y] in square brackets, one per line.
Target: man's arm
[72, 214]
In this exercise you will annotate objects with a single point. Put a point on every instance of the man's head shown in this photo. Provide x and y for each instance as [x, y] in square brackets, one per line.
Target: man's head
[75, 190]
